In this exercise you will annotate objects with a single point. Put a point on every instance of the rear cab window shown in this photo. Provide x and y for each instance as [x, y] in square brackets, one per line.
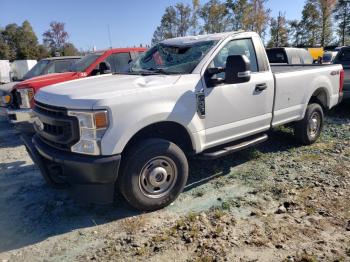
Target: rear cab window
[119, 62]
[277, 56]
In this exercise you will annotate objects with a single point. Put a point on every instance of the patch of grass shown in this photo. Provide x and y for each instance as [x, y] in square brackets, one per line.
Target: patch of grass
[198, 193]
[194, 231]
[132, 225]
[307, 258]
[310, 210]
[226, 205]
[205, 258]
[192, 216]
[340, 169]
[254, 154]
[218, 213]
[180, 223]
[309, 157]
[161, 237]
[234, 174]
[218, 230]
[142, 251]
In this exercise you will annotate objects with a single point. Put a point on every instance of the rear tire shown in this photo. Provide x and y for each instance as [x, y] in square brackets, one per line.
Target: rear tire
[154, 173]
[309, 129]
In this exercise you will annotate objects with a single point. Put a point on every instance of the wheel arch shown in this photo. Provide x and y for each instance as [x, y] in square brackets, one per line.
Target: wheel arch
[320, 96]
[168, 130]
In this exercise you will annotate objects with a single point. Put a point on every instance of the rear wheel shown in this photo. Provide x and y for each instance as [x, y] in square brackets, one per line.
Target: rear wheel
[154, 173]
[309, 129]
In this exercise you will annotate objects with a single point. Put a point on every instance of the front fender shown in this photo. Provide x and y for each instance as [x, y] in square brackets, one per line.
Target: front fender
[129, 120]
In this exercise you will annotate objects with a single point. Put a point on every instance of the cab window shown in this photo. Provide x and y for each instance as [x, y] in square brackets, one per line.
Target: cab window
[60, 66]
[236, 47]
[119, 62]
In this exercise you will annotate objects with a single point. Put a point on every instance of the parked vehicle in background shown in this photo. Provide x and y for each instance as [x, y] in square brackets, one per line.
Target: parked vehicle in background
[205, 96]
[43, 67]
[316, 53]
[328, 57]
[20, 111]
[5, 71]
[51, 65]
[289, 55]
[343, 58]
[21, 67]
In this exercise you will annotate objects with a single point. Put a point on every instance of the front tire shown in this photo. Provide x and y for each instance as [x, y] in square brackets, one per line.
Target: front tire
[309, 129]
[154, 173]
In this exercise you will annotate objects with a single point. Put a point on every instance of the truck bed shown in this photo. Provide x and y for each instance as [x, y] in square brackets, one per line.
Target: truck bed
[294, 84]
[276, 69]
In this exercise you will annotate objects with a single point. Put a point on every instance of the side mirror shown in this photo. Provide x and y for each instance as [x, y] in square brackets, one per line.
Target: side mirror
[105, 68]
[237, 69]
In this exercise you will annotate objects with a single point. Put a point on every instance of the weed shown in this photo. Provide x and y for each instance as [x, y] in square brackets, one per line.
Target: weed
[192, 216]
[307, 258]
[225, 205]
[132, 225]
[218, 230]
[218, 213]
[198, 193]
[142, 251]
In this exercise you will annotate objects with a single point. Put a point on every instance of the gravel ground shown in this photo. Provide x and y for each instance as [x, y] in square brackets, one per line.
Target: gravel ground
[277, 202]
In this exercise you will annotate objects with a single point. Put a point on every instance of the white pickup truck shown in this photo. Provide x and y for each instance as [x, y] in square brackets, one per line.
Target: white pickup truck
[205, 96]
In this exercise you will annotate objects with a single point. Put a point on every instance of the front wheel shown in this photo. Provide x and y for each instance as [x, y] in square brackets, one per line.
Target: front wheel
[309, 129]
[154, 173]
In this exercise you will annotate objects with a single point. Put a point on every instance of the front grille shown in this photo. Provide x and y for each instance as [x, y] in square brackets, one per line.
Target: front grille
[50, 110]
[58, 129]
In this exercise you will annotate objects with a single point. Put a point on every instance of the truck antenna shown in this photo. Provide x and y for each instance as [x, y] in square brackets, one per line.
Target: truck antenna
[109, 37]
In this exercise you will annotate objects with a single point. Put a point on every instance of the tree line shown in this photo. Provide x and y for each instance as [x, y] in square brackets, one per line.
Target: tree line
[20, 42]
[323, 22]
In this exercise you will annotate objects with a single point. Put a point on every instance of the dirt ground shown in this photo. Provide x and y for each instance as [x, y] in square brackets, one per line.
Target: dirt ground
[277, 202]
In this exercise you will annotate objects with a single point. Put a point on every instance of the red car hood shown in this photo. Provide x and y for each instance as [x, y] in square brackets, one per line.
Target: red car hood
[45, 80]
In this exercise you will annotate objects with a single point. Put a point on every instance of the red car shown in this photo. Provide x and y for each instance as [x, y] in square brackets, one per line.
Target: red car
[97, 63]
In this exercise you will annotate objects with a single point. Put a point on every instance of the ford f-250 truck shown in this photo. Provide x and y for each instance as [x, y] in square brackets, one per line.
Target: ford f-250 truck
[205, 96]
[102, 62]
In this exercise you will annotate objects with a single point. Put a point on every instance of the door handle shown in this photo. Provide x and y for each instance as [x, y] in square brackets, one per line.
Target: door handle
[260, 87]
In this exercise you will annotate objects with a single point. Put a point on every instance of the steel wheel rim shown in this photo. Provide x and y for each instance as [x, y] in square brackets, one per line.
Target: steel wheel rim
[314, 124]
[158, 177]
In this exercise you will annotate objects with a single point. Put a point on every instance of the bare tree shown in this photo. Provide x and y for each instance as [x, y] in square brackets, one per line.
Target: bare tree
[56, 37]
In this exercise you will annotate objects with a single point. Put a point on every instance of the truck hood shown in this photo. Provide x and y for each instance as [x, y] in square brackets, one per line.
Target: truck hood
[45, 80]
[84, 93]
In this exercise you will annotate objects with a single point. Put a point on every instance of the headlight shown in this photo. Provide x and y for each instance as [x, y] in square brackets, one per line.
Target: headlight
[92, 127]
[27, 94]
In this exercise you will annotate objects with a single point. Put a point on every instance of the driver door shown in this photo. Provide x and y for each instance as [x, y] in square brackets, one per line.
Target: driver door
[235, 111]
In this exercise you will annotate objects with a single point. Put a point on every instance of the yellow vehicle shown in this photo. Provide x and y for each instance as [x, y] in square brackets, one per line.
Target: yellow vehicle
[316, 52]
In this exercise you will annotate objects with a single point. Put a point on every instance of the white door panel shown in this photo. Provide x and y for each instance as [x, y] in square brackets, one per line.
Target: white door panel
[236, 110]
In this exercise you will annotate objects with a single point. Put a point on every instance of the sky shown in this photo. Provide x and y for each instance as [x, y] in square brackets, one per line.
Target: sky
[131, 22]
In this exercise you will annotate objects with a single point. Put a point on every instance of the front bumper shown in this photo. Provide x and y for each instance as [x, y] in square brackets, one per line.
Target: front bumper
[20, 115]
[89, 178]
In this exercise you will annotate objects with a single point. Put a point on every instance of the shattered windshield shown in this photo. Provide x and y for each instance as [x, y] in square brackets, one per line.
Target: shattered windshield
[172, 59]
